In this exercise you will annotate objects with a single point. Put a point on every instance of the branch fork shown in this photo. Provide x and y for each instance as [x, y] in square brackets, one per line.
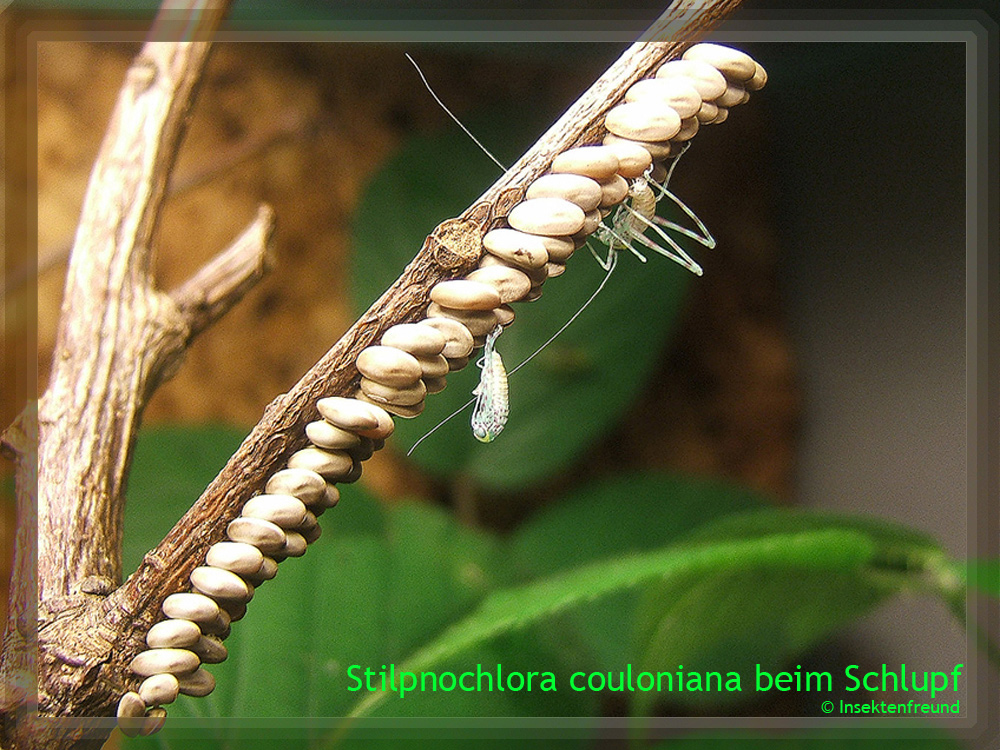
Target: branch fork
[120, 336]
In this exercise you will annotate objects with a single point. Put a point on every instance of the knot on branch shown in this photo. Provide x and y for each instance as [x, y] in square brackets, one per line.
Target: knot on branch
[455, 244]
[506, 200]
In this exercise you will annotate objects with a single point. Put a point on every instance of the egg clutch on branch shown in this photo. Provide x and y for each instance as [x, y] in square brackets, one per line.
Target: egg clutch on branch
[560, 210]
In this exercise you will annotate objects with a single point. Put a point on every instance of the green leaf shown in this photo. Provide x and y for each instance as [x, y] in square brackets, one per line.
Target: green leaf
[576, 389]
[171, 467]
[735, 619]
[618, 517]
[622, 515]
[507, 610]
[983, 575]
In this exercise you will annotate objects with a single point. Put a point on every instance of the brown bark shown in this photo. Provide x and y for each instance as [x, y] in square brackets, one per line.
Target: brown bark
[119, 337]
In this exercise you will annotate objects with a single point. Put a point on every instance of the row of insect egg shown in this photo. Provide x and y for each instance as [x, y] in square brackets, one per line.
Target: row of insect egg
[560, 210]
[662, 113]
[273, 526]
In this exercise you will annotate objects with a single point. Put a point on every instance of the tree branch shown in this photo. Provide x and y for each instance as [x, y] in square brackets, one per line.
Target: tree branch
[450, 251]
[117, 332]
[222, 282]
[119, 337]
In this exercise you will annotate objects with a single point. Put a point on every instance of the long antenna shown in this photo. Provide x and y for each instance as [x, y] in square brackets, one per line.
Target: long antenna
[463, 407]
[451, 115]
[611, 267]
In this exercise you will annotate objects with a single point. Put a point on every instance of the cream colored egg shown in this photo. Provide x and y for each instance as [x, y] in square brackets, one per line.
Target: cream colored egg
[516, 248]
[689, 129]
[307, 486]
[322, 434]
[210, 650]
[348, 413]
[164, 660]
[759, 79]
[656, 150]
[220, 584]
[435, 385]
[643, 121]
[462, 294]
[510, 283]
[458, 363]
[331, 464]
[159, 689]
[264, 535]
[407, 412]
[677, 93]
[193, 607]
[197, 684]
[432, 367]
[705, 78]
[458, 340]
[388, 365]
[708, 112]
[478, 322]
[173, 633]
[385, 394]
[590, 161]
[154, 721]
[285, 511]
[547, 216]
[615, 190]
[732, 63]
[732, 96]
[414, 338]
[237, 557]
[575, 188]
[633, 160]
[131, 714]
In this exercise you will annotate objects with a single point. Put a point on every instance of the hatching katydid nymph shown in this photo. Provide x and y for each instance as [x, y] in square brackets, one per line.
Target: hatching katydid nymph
[492, 407]
[633, 218]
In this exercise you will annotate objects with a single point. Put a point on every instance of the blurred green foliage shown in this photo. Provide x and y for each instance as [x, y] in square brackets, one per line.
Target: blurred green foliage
[649, 570]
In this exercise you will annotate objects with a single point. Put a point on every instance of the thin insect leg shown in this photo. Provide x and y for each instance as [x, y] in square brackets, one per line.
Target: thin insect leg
[611, 268]
[452, 116]
[680, 257]
[673, 162]
[621, 241]
[480, 395]
[605, 264]
[705, 238]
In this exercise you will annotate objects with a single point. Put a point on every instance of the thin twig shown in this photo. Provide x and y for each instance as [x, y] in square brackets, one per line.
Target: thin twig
[286, 128]
[222, 282]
